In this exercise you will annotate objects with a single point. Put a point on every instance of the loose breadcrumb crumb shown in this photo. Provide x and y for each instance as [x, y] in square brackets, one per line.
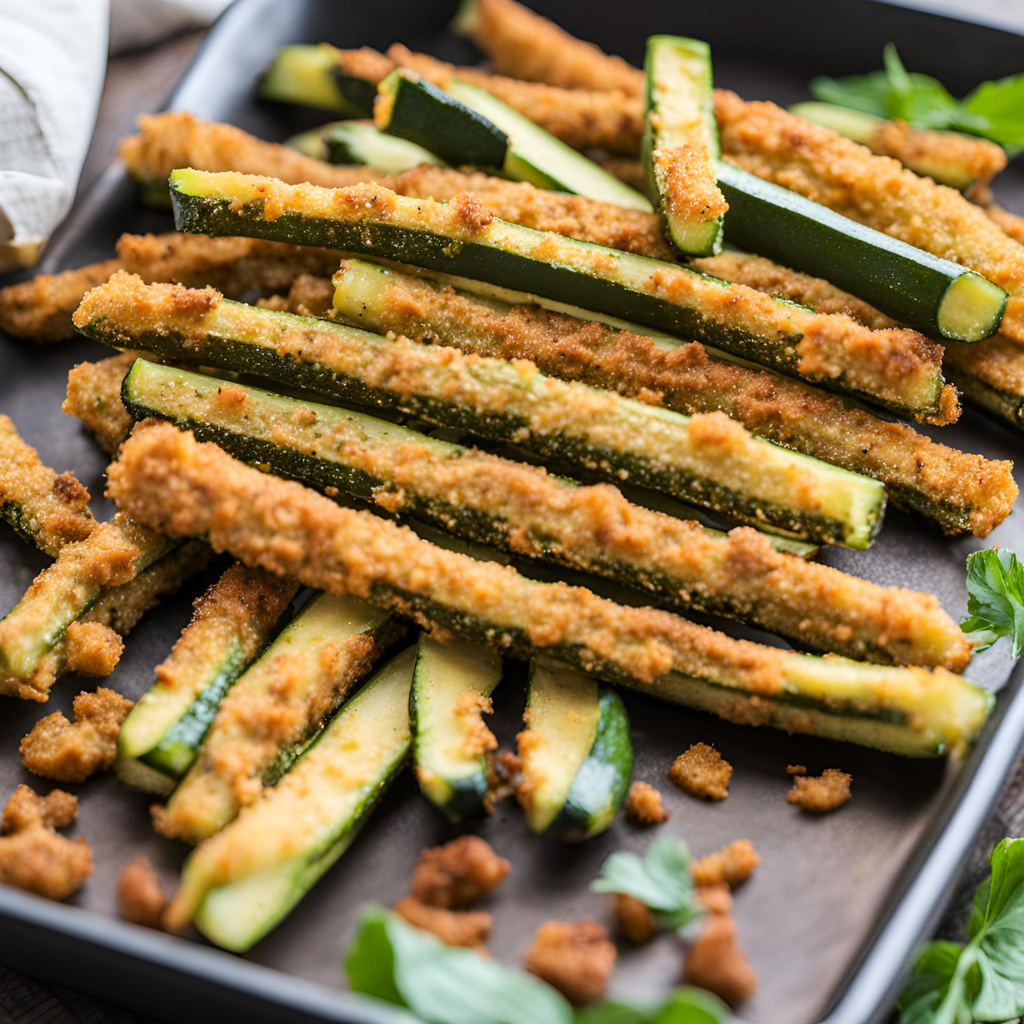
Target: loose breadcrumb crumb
[715, 899]
[796, 769]
[577, 959]
[635, 919]
[643, 805]
[458, 873]
[92, 649]
[470, 928]
[716, 962]
[731, 864]
[140, 894]
[821, 793]
[57, 749]
[703, 772]
[33, 856]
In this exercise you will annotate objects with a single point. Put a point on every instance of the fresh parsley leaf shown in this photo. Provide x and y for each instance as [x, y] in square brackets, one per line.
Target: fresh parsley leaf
[994, 110]
[440, 984]
[661, 879]
[984, 980]
[686, 1005]
[995, 601]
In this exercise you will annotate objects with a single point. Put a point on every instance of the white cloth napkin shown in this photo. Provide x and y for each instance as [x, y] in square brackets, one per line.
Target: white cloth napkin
[53, 56]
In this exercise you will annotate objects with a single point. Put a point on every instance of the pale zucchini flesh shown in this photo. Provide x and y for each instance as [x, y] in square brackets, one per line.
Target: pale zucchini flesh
[359, 142]
[444, 708]
[309, 75]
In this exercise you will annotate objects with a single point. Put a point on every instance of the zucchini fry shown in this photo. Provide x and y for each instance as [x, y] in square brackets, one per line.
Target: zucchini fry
[709, 461]
[94, 397]
[827, 168]
[990, 373]
[960, 492]
[275, 705]
[898, 368]
[46, 509]
[167, 479]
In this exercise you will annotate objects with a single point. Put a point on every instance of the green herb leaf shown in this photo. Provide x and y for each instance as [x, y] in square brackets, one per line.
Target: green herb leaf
[661, 880]
[440, 984]
[686, 1005]
[1000, 106]
[995, 602]
[937, 992]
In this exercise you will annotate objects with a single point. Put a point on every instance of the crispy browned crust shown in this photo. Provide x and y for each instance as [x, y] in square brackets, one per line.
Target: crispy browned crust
[644, 806]
[687, 180]
[33, 856]
[582, 118]
[702, 771]
[522, 44]
[92, 649]
[177, 139]
[140, 895]
[716, 962]
[821, 793]
[919, 148]
[168, 479]
[997, 362]
[53, 508]
[40, 309]
[634, 919]
[94, 396]
[458, 873]
[469, 928]
[57, 749]
[730, 865]
[1010, 223]
[766, 276]
[875, 190]
[686, 379]
[576, 958]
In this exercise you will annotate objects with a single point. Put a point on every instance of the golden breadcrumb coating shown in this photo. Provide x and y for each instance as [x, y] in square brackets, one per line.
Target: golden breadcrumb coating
[92, 649]
[94, 396]
[715, 899]
[876, 190]
[686, 179]
[1010, 223]
[33, 856]
[470, 928]
[71, 752]
[40, 309]
[926, 152]
[46, 508]
[730, 865]
[522, 44]
[140, 895]
[576, 958]
[716, 962]
[822, 793]
[643, 805]
[458, 873]
[702, 771]
[634, 918]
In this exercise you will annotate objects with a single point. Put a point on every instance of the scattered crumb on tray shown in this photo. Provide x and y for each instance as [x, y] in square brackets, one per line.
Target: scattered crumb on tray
[33, 856]
[71, 752]
[458, 873]
[715, 899]
[731, 864]
[577, 959]
[795, 769]
[469, 928]
[635, 920]
[716, 962]
[643, 805]
[703, 772]
[140, 894]
[821, 793]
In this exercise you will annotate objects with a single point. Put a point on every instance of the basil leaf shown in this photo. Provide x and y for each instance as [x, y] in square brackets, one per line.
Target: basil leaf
[936, 993]
[869, 93]
[995, 601]
[686, 1005]
[440, 984]
[1000, 105]
[661, 880]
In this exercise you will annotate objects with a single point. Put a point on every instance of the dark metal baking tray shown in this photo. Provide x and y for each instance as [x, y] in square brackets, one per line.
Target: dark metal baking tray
[838, 903]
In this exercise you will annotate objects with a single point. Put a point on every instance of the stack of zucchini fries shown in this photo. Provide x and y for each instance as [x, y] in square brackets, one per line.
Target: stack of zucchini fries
[490, 301]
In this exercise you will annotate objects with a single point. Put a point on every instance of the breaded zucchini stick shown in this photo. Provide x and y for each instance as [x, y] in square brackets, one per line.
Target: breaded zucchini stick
[846, 177]
[94, 397]
[1010, 223]
[960, 492]
[177, 139]
[46, 509]
[522, 44]
[992, 374]
[167, 479]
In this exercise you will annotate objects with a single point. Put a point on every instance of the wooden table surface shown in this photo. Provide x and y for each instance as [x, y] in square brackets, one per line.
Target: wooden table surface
[141, 82]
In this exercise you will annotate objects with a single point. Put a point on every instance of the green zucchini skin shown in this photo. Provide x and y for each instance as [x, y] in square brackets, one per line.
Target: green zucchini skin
[596, 775]
[617, 284]
[235, 913]
[690, 58]
[902, 281]
[309, 75]
[452, 777]
[358, 142]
